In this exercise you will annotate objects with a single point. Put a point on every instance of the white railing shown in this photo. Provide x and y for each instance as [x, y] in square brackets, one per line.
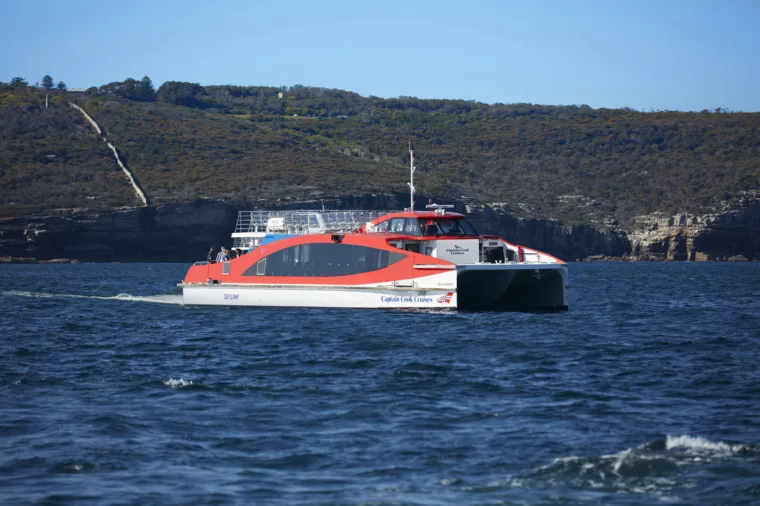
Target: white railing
[258, 223]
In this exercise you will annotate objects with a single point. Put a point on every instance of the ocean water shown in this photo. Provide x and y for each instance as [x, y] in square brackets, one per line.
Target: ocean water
[647, 391]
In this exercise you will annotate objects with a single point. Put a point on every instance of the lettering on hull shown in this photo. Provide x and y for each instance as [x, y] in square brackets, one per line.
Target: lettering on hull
[396, 299]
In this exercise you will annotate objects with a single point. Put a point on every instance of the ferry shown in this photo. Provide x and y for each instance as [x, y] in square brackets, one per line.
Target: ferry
[433, 259]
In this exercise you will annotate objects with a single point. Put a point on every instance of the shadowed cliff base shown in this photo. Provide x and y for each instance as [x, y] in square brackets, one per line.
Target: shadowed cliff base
[184, 232]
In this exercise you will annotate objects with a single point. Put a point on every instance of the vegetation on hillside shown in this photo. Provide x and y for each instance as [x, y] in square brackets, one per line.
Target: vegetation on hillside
[49, 158]
[258, 144]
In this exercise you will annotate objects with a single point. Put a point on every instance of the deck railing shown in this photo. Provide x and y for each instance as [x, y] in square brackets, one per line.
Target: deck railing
[301, 221]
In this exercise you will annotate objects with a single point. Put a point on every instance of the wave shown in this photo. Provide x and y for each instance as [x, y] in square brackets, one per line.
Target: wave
[660, 467]
[178, 383]
[702, 445]
[157, 299]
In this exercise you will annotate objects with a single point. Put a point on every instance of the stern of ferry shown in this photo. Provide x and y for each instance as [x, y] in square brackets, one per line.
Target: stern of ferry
[512, 287]
[494, 275]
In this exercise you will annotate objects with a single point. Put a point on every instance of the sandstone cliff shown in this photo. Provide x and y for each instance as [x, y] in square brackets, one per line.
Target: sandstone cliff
[164, 233]
[184, 232]
[732, 233]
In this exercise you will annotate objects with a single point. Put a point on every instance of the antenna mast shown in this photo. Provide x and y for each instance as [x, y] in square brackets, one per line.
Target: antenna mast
[411, 177]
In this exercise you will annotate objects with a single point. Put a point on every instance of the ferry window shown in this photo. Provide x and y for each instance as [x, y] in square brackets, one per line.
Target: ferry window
[324, 259]
[468, 228]
[442, 226]
[411, 226]
[450, 227]
[412, 246]
[380, 227]
[430, 227]
[397, 225]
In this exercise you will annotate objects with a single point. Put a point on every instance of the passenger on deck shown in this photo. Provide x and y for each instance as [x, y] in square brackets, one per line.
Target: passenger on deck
[211, 258]
[232, 254]
[222, 256]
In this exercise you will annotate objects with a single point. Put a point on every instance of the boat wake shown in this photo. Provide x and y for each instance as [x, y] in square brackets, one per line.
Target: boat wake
[156, 299]
[662, 467]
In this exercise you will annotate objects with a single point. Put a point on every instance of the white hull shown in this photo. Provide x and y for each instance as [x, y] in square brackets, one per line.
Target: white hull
[496, 287]
[318, 296]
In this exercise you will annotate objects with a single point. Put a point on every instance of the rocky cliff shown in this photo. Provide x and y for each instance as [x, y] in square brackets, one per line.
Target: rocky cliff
[184, 232]
[164, 233]
[731, 233]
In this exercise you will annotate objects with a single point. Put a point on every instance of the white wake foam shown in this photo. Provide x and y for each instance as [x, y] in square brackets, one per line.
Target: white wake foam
[178, 383]
[157, 299]
[701, 445]
[658, 467]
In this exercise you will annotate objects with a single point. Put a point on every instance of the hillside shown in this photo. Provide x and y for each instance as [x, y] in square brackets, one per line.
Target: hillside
[245, 144]
[49, 158]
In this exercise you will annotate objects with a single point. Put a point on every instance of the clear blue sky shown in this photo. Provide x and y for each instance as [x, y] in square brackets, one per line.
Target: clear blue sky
[645, 54]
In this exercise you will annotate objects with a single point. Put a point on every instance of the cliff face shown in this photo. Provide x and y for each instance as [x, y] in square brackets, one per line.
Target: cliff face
[730, 234]
[551, 236]
[164, 233]
[183, 233]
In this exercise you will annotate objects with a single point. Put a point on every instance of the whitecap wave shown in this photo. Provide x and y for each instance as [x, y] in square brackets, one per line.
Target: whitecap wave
[701, 445]
[178, 383]
[156, 299]
[659, 467]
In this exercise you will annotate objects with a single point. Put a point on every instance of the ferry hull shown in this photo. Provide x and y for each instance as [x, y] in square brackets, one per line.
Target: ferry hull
[317, 296]
[512, 287]
[479, 287]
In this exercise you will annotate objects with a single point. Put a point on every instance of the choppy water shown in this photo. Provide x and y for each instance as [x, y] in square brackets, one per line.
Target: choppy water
[646, 391]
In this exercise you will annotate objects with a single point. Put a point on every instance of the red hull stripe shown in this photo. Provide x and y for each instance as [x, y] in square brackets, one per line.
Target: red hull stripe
[407, 268]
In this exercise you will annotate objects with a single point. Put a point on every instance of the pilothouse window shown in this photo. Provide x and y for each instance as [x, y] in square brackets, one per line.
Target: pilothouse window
[411, 226]
[397, 225]
[442, 226]
[380, 227]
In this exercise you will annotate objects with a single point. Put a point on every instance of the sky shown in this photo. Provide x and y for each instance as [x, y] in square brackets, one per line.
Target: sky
[644, 54]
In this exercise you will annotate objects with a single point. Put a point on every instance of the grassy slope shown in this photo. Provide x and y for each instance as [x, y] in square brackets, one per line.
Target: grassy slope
[572, 163]
[49, 158]
[180, 154]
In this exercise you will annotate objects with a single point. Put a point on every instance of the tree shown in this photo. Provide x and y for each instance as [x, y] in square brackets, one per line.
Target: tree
[18, 81]
[147, 84]
[146, 91]
[176, 92]
[130, 89]
[47, 82]
[61, 86]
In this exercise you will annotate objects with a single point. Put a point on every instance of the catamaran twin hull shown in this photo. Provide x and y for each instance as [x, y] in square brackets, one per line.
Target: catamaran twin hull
[364, 271]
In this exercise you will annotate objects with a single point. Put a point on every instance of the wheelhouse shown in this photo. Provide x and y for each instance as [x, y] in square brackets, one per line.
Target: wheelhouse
[449, 225]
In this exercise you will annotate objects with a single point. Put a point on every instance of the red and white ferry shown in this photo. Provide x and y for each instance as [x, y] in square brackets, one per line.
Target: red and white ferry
[362, 259]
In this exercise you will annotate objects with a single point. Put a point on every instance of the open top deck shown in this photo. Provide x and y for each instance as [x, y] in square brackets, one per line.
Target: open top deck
[252, 226]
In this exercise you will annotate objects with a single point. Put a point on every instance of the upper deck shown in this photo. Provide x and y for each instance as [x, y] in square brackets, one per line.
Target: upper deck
[251, 226]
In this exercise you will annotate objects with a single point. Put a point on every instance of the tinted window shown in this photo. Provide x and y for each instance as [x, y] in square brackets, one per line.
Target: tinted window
[411, 226]
[324, 259]
[446, 226]
[380, 227]
[468, 228]
[397, 225]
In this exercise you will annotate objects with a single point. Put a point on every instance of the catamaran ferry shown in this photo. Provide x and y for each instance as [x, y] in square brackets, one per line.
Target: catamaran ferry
[370, 259]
